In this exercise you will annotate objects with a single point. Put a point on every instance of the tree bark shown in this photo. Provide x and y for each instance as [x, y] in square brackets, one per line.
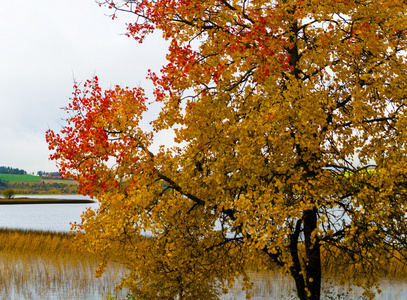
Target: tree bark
[308, 278]
[312, 255]
[296, 267]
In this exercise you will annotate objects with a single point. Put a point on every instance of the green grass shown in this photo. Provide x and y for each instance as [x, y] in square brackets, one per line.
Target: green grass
[18, 177]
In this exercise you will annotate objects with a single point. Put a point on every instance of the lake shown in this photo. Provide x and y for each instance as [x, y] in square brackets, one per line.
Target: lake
[46, 217]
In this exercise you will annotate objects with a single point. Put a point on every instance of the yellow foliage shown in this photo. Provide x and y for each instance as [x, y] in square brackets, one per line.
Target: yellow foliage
[281, 110]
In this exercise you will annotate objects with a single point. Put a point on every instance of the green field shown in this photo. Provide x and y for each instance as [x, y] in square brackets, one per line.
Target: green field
[17, 177]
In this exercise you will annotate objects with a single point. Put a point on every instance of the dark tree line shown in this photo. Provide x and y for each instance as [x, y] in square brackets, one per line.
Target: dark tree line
[3, 184]
[9, 170]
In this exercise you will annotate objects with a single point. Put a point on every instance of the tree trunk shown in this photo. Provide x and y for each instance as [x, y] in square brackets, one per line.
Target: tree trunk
[308, 278]
[312, 255]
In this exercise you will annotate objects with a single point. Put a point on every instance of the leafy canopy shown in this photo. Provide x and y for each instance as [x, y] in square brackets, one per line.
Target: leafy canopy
[8, 193]
[282, 108]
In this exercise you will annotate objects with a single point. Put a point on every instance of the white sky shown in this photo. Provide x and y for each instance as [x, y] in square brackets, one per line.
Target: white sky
[44, 46]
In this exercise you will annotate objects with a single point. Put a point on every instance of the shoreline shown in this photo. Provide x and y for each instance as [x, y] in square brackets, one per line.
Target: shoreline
[44, 201]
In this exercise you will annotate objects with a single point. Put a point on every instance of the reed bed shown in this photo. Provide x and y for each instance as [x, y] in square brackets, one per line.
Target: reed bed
[41, 265]
[390, 265]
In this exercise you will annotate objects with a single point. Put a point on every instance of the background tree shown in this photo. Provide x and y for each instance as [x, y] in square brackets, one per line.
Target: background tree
[8, 193]
[284, 109]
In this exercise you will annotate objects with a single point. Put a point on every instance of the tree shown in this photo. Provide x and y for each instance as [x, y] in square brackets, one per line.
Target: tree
[9, 170]
[2, 183]
[291, 121]
[8, 193]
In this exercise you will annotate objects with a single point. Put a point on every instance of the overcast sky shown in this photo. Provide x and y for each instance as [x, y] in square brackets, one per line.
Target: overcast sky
[45, 45]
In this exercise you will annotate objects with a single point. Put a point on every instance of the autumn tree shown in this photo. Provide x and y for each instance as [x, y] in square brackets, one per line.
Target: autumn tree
[8, 193]
[291, 122]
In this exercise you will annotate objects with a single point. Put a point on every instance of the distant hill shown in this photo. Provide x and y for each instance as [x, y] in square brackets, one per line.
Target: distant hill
[19, 177]
[30, 184]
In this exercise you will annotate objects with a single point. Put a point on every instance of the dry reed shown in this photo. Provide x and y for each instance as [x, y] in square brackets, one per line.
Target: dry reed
[41, 265]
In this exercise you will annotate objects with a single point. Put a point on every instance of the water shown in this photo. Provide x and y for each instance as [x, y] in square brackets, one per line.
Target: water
[57, 217]
[46, 217]
[279, 287]
[39, 277]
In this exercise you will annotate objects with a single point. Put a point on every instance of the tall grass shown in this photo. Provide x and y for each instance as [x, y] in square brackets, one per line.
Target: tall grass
[41, 265]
